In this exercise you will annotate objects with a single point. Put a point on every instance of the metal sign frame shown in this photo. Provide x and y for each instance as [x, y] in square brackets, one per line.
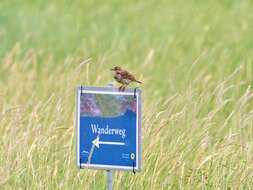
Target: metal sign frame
[110, 90]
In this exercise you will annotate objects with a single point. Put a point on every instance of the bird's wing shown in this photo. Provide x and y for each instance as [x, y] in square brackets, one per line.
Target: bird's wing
[127, 75]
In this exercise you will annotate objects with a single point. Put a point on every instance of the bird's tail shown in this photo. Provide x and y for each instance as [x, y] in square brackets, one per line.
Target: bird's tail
[138, 81]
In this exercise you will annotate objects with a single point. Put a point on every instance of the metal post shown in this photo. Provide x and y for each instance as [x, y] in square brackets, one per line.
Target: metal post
[109, 172]
[109, 179]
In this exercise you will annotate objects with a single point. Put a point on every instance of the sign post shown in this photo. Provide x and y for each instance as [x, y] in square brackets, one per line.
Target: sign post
[108, 129]
[109, 179]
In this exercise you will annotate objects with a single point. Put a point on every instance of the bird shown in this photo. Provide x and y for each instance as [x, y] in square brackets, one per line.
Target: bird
[123, 77]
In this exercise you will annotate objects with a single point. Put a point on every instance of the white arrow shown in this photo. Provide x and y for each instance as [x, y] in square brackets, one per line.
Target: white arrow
[96, 142]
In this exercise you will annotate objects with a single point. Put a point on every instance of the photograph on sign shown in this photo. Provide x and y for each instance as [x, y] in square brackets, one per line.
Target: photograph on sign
[108, 128]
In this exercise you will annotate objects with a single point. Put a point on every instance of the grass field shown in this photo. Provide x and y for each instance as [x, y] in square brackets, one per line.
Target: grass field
[194, 57]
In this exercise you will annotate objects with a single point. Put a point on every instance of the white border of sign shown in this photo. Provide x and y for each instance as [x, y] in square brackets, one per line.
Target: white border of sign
[110, 90]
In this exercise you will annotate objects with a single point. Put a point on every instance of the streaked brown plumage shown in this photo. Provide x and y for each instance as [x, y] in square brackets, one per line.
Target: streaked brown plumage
[123, 77]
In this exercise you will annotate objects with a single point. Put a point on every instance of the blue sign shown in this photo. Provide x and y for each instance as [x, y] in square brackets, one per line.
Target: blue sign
[108, 128]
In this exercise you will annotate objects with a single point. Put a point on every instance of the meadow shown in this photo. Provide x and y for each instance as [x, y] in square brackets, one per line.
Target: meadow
[194, 57]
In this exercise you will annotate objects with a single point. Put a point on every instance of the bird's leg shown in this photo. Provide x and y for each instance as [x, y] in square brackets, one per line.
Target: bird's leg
[122, 88]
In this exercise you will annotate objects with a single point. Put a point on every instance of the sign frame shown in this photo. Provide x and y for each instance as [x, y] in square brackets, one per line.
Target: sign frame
[110, 90]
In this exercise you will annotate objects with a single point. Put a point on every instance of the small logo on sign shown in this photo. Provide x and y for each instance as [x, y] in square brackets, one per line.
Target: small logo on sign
[132, 156]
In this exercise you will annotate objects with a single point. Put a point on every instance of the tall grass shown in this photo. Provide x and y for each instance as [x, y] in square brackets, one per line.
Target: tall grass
[195, 58]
